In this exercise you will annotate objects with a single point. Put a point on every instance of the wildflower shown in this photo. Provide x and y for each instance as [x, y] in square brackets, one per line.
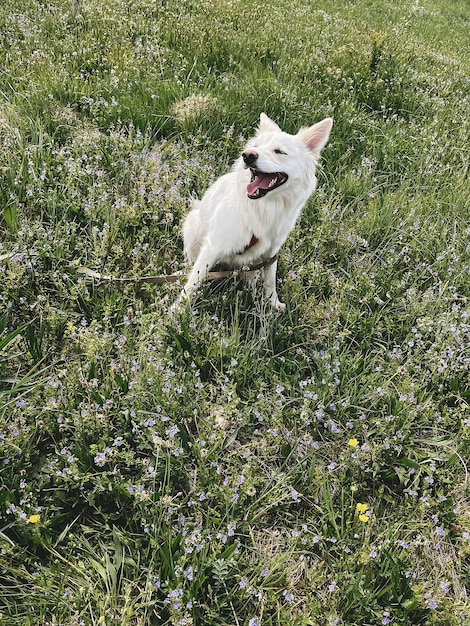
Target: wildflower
[34, 519]
[353, 442]
[353, 488]
[430, 601]
[444, 586]
[361, 508]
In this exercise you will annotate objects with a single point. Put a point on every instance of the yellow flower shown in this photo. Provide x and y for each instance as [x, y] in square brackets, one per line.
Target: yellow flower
[34, 519]
[101, 619]
[364, 518]
[353, 442]
[353, 488]
[361, 508]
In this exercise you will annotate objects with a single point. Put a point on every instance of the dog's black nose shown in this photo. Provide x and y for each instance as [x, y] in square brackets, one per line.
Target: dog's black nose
[249, 157]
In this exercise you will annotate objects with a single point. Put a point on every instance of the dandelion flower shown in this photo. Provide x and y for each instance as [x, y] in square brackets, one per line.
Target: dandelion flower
[34, 519]
[353, 442]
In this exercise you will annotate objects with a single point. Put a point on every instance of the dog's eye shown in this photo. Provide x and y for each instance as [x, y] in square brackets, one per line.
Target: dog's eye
[279, 151]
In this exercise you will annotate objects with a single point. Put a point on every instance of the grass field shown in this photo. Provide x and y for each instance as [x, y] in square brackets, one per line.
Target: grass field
[227, 466]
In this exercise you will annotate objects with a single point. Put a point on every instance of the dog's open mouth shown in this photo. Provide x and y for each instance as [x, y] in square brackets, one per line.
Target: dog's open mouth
[262, 183]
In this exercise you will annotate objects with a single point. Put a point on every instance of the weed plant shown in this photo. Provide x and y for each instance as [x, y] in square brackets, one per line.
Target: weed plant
[227, 466]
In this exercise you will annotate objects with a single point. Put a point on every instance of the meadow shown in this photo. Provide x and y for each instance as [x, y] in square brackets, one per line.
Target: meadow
[227, 465]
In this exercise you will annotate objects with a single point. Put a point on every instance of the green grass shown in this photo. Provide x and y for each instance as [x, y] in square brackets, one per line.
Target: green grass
[205, 469]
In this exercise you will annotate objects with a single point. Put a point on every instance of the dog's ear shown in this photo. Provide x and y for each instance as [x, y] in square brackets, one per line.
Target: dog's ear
[267, 125]
[317, 135]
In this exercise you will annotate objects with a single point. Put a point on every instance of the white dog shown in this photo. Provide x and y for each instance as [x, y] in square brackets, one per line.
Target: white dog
[245, 216]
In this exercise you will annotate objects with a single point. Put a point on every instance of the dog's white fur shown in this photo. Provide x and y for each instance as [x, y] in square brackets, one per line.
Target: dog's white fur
[220, 227]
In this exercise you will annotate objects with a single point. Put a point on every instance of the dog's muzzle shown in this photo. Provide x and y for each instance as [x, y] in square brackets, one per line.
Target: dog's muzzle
[261, 183]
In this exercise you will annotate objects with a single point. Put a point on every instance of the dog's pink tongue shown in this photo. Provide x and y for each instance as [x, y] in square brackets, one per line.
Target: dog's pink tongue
[261, 181]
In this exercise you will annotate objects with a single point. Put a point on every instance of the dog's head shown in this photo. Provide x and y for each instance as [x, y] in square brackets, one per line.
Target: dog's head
[276, 158]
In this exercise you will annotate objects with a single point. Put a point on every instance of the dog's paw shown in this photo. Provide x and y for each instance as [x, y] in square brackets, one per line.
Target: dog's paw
[175, 308]
[178, 304]
[279, 306]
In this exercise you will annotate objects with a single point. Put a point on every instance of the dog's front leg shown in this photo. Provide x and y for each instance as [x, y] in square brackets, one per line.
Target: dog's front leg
[204, 262]
[269, 278]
